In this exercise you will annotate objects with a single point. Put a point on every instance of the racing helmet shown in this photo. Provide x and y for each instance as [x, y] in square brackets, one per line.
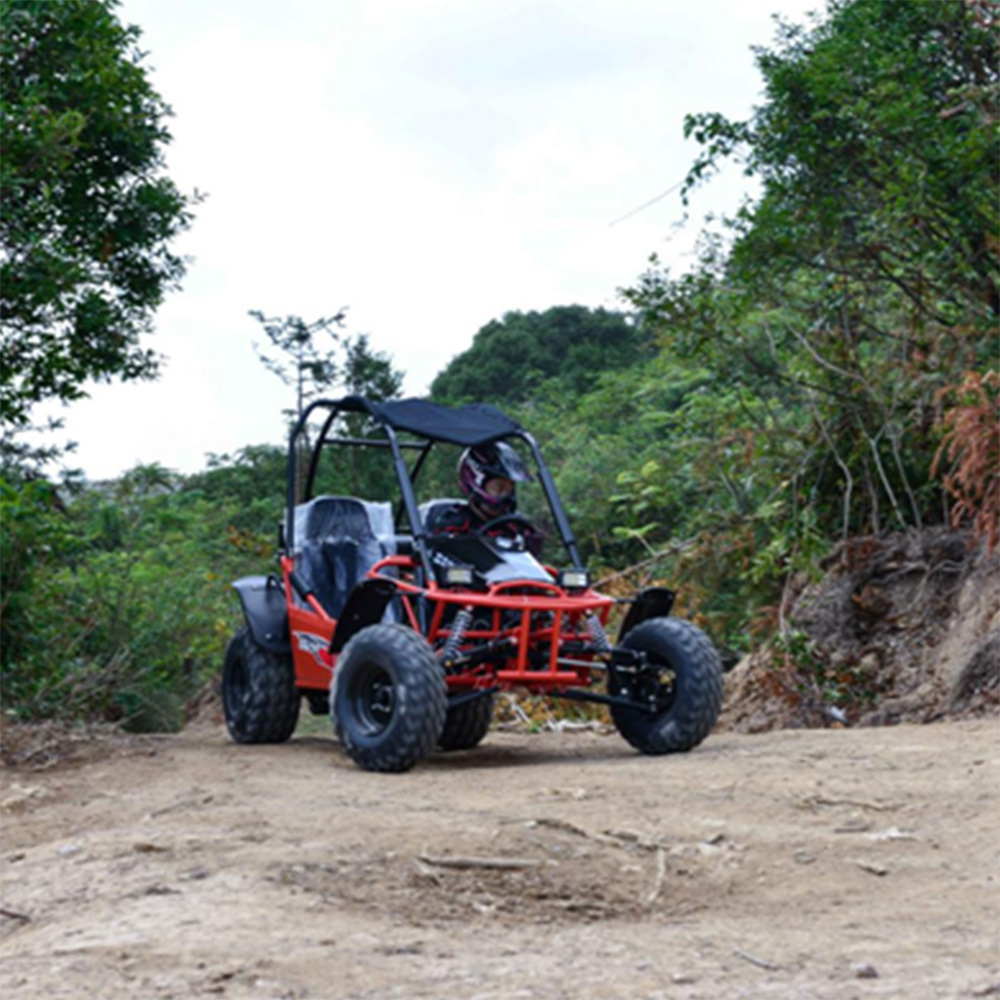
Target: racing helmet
[479, 465]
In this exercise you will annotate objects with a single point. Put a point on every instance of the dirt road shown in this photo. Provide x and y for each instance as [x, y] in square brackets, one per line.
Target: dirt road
[809, 864]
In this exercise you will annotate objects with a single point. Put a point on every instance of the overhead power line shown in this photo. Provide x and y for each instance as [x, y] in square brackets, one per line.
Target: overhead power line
[643, 207]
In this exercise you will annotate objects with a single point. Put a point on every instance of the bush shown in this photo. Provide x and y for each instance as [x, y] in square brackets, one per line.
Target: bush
[117, 604]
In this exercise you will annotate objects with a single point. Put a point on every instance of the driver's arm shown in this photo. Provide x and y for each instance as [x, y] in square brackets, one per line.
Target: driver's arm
[533, 538]
[449, 519]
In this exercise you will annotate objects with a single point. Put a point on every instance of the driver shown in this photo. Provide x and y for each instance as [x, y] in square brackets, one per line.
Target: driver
[487, 475]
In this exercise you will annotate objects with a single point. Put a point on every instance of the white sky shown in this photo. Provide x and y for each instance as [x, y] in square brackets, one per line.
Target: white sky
[430, 164]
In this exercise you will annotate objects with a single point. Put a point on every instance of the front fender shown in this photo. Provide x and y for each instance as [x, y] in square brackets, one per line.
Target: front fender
[365, 606]
[653, 602]
[263, 600]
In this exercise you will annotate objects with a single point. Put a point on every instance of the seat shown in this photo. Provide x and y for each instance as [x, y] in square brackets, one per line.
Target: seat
[337, 540]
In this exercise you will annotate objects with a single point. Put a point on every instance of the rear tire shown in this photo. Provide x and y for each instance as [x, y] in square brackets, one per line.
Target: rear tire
[259, 697]
[466, 725]
[683, 679]
[389, 698]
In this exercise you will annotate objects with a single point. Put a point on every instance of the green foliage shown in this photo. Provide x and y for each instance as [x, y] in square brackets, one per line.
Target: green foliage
[32, 533]
[86, 214]
[791, 391]
[876, 148]
[244, 495]
[117, 602]
[368, 372]
[363, 473]
[511, 358]
[796, 398]
[813, 685]
[862, 283]
[349, 365]
[313, 370]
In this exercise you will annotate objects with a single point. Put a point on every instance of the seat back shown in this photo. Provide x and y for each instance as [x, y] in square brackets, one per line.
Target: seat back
[337, 540]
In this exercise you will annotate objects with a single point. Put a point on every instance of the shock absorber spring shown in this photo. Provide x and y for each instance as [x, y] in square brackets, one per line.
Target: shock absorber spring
[598, 633]
[459, 627]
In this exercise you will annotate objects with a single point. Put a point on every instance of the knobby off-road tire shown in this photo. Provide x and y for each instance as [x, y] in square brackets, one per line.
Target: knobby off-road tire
[388, 699]
[259, 697]
[466, 725]
[689, 703]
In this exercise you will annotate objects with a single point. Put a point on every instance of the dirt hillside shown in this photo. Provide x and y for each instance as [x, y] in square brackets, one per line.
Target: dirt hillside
[852, 863]
[898, 629]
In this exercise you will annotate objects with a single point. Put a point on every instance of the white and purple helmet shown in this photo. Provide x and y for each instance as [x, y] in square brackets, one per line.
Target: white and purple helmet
[479, 465]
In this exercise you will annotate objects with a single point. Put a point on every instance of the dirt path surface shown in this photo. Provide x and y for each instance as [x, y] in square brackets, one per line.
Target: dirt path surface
[807, 864]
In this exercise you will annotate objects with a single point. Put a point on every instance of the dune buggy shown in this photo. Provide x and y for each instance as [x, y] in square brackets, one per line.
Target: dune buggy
[405, 637]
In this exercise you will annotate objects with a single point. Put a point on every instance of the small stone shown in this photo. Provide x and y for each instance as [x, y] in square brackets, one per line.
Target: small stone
[683, 979]
[894, 833]
[143, 847]
[864, 970]
[873, 868]
[854, 825]
[870, 663]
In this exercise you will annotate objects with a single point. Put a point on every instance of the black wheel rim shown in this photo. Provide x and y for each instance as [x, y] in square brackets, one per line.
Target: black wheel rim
[373, 699]
[653, 687]
[656, 687]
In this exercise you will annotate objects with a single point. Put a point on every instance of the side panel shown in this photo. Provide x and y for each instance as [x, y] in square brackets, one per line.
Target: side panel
[653, 602]
[310, 648]
[263, 600]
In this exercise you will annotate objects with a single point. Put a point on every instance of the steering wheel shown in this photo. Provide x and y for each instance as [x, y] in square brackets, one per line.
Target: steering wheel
[512, 520]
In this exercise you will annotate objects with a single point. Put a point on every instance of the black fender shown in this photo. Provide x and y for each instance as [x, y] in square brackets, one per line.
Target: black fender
[263, 600]
[365, 606]
[653, 602]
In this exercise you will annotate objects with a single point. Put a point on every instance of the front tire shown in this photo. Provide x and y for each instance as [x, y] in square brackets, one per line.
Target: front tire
[389, 698]
[466, 725]
[259, 697]
[682, 679]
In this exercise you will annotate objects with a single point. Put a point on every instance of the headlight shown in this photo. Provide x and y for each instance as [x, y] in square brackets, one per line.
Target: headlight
[458, 576]
[574, 579]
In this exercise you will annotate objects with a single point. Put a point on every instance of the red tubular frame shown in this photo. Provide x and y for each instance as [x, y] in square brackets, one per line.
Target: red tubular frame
[314, 666]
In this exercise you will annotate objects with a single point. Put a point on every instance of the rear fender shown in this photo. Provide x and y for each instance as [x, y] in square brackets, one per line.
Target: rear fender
[653, 602]
[365, 606]
[263, 600]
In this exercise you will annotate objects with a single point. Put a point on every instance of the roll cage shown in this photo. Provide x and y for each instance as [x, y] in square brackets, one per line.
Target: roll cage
[416, 426]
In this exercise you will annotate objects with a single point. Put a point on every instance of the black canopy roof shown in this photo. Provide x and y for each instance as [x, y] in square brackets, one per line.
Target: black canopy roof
[474, 424]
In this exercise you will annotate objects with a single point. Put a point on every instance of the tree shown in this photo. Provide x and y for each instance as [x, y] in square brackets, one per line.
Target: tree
[370, 373]
[301, 362]
[876, 149]
[116, 601]
[86, 215]
[865, 278]
[511, 357]
[826, 331]
[312, 370]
